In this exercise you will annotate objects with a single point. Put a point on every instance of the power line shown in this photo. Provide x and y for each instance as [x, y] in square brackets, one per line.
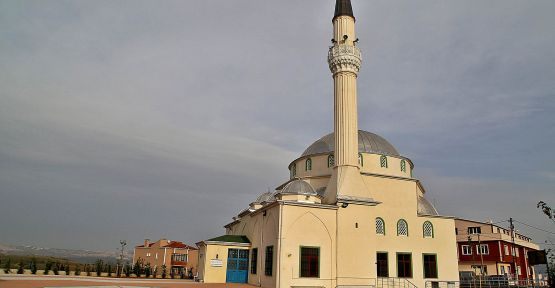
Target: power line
[535, 227]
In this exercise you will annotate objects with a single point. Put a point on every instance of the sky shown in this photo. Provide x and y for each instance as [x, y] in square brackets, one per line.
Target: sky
[136, 119]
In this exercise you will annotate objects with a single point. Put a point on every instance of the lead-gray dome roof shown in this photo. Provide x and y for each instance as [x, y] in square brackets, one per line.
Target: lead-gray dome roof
[265, 197]
[367, 143]
[425, 207]
[298, 186]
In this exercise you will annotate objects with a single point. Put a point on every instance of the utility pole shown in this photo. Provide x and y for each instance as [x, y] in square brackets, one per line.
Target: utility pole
[481, 257]
[472, 253]
[512, 226]
[123, 243]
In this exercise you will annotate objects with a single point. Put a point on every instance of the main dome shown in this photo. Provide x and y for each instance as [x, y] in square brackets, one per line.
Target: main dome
[367, 143]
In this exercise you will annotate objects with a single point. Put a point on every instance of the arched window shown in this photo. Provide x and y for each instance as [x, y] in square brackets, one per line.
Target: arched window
[403, 166]
[360, 159]
[331, 160]
[428, 229]
[293, 170]
[383, 161]
[402, 228]
[308, 165]
[380, 226]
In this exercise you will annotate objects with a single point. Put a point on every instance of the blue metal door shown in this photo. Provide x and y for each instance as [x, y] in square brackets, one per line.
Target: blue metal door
[237, 266]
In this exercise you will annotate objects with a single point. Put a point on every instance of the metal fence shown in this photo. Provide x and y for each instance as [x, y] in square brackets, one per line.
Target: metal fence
[488, 283]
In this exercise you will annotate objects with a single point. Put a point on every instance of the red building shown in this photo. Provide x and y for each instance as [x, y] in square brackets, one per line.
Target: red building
[487, 248]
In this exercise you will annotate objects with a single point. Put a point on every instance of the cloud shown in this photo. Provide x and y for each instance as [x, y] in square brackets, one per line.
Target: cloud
[148, 116]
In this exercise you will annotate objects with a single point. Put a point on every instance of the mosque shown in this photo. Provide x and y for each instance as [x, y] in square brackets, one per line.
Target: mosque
[351, 214]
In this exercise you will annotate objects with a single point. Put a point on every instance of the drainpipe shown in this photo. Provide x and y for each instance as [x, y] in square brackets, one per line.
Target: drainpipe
[261, 247]
[164, 263]
[278, 274]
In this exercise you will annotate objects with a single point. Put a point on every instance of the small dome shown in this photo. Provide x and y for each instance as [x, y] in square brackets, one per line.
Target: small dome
[298, 186]
[265, 197]
[425, 207]
[367, 143]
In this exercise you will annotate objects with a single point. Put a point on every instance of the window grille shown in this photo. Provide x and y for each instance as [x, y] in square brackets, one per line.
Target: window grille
[380, 226]
[402, 228]
[428, 229]
[383, 161]
[403, 166]
[331, 161]
[308, 165]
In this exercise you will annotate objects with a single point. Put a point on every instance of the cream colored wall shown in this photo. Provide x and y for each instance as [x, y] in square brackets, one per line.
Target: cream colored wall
[262, 230]
[399, 201]
[310, 227]
[209, 274]
[370, 164]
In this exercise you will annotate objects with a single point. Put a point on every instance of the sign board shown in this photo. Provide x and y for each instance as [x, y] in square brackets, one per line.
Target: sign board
[537, 257]
[216, 263]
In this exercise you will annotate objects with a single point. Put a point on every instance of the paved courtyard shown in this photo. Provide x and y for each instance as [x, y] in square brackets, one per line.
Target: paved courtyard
[29, 281]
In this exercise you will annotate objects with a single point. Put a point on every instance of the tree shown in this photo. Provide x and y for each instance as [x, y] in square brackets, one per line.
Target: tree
[88, 269]
[77, 269]
[47, 267]
[550, 213]
[137, 268]
[99, 264]
[109, 267]
[33, 266]
[147, 270]
[56, 268]
[164, 271]
[547, 210]
[67, 268]
[7, 266]
[127, 269]
[20, 268]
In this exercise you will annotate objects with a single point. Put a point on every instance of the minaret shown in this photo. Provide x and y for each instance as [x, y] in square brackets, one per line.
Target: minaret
[344, 60]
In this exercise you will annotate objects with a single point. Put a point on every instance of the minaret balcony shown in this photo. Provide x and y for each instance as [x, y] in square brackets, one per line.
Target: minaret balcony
[344, 58]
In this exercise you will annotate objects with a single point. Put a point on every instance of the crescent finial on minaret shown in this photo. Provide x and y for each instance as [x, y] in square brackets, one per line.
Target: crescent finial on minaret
[343, 8]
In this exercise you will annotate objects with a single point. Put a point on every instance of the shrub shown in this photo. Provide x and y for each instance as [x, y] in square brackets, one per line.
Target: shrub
[56, 269]
[88, 269]
[99, 264]
[127, 269]
[33, 266]
[7, 266]
[147, 270]
[77, 270]
[109, 267]
[164, 271]
[137, 269]
[47, 267]
[20, 268]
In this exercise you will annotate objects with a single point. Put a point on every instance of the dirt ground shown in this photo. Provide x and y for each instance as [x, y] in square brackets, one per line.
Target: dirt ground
[62, 281]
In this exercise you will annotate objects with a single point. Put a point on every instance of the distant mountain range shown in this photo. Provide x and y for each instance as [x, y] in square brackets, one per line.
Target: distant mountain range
[80, 256]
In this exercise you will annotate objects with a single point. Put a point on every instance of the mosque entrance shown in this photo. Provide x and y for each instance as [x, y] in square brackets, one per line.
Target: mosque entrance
[237, 266]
